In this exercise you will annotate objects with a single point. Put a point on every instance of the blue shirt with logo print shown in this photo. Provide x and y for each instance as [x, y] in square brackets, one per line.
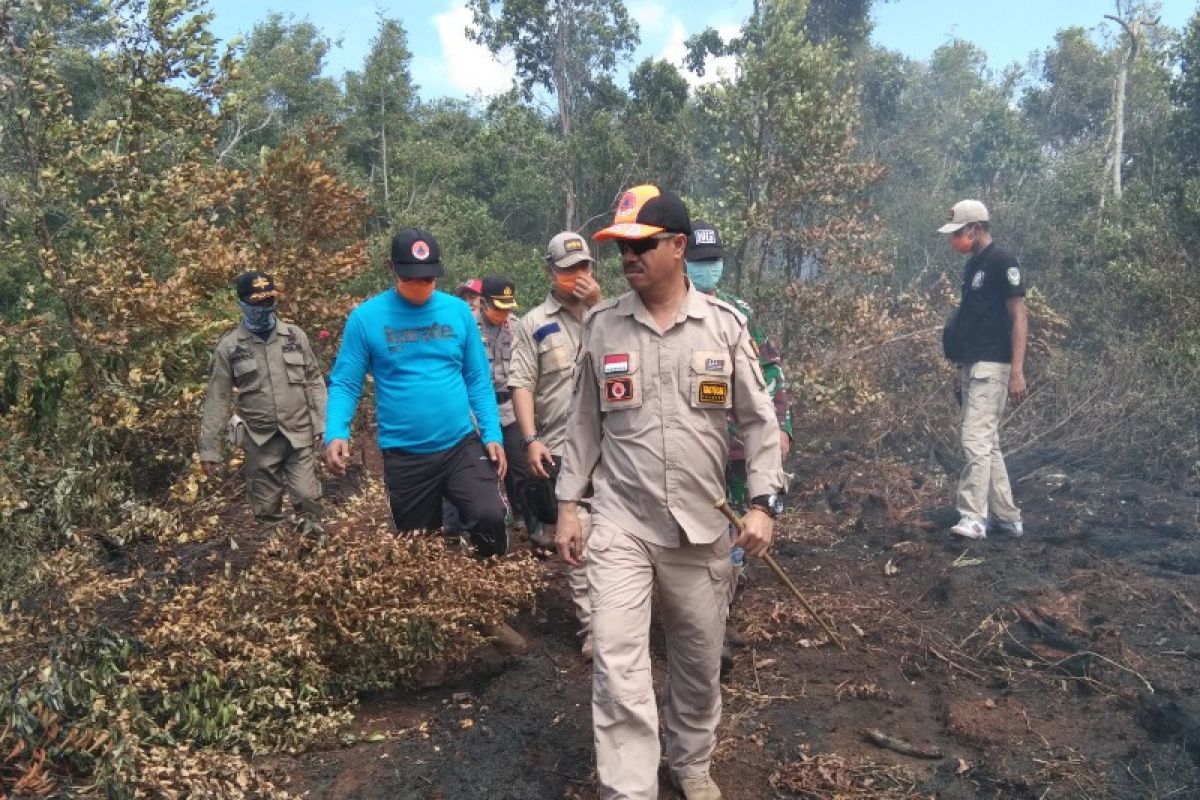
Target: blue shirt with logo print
[430, 371]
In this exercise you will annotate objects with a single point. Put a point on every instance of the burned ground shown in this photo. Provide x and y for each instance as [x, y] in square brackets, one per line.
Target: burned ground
[1062, 664]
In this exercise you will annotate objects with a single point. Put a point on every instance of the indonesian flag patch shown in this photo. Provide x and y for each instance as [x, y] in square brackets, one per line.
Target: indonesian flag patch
[616, 363]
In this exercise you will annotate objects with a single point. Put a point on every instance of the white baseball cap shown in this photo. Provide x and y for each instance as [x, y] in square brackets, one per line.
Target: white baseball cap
[964, 212]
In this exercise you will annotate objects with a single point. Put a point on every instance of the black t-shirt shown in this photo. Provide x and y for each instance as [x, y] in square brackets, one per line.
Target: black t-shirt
[990, 278]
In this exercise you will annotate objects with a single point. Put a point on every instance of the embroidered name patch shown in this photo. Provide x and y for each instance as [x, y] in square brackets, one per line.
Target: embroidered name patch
[545, 330]
[714, 364]
[616, 363]
[618, 389]
[713, 392]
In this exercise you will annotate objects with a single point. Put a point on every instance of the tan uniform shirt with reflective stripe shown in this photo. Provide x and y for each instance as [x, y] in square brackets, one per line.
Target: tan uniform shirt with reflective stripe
[542, 361]
[498, 343]
[649, 423]
[278, 388]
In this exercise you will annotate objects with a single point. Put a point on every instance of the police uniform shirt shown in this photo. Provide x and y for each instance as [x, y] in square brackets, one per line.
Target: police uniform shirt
[990, 278]
[542, 361]
[649, 423]
[498, 343]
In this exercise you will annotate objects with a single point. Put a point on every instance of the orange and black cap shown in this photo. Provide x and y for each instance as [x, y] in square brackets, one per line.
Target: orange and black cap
[646, 211]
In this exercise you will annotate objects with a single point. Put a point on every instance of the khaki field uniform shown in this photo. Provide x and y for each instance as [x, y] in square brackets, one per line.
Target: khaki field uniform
[983, 487]
[280, 396]
[649, 433]
[543, 361]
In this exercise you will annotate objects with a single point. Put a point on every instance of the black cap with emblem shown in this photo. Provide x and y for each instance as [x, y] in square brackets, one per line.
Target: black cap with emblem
[256, 288]
[415, 254]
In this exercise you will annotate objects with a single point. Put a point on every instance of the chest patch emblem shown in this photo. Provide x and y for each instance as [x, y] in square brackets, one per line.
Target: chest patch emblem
[545, 330]
[617, 390]
[977, 281]
[713, 392]
[1014, 276]
[714, 364]
[616, 363]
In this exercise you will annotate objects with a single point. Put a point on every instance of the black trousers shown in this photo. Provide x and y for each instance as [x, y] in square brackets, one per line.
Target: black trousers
[417, 483]
[538, 495]
[518, 472]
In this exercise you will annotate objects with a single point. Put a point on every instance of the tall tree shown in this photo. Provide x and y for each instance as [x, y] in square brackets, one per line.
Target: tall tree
[562, 46]
[278, 87]
[1133, 19]
[379, 103]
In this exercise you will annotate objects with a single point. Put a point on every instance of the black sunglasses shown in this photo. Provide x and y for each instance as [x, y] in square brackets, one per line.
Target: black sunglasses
[642, 246]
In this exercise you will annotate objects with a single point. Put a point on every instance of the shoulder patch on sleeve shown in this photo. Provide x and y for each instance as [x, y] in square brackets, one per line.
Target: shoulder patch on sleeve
[727, 307]
[1014, 276]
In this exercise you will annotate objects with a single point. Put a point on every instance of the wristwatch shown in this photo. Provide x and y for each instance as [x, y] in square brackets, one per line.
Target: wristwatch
[770, 504]
[530, 439]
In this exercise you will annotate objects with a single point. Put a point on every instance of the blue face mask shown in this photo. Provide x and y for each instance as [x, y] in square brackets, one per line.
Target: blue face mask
[257, 319]
[705, 274]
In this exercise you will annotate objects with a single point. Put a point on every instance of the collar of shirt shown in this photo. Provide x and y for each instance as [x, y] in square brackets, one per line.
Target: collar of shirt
[248, 335]
[974, 261]
[694, 305]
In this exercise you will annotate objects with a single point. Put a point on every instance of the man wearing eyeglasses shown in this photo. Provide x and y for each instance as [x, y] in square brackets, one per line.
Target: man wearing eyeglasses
[280, 404]
[659, 370]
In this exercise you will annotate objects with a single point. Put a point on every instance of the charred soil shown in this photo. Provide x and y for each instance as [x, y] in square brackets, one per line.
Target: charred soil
[1065, 663]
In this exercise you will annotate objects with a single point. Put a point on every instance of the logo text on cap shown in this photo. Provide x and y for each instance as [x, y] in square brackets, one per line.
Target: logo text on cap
[706, 236]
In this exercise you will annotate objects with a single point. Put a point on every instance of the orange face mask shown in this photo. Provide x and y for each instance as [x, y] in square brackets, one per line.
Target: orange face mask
[961, 243]
[496, 316]
[415, 292]
[565, 282]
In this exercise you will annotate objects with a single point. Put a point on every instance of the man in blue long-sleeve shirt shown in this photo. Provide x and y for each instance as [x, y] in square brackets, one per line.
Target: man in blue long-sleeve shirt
[423, 349]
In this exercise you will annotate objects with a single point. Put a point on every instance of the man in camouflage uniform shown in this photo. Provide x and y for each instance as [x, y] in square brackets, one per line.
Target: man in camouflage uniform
[705, 265]
[280, 401]
[498, 327]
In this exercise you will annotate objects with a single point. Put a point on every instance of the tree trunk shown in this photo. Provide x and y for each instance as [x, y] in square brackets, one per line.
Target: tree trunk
[564, 93]
[1116, 155]
[387, 197]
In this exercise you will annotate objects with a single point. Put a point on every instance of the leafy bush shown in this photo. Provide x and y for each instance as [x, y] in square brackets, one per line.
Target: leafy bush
[266, 659]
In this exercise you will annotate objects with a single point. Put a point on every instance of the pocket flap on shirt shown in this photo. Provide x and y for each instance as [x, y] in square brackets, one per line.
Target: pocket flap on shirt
[293, 357]
[244, 366]
[712, 362]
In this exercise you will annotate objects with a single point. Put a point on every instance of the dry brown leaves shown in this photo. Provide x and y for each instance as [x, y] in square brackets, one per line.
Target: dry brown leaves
[834, 777]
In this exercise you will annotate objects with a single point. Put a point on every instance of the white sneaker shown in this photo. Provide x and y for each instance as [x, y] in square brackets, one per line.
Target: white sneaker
[697, 787]
[970, 528]
[1012, 528]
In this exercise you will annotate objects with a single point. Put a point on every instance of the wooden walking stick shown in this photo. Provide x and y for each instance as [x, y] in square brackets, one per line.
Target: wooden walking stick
[722, 505]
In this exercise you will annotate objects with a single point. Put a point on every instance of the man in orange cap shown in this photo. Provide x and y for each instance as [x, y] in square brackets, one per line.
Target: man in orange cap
[659, 370]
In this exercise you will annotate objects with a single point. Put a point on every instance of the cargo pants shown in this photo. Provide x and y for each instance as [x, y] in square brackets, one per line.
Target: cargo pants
[694, 588]
[983, 487]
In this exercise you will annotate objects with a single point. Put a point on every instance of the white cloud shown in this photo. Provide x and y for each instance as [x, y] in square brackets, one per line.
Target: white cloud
[648, 15]
[715, 67]
[467, 66]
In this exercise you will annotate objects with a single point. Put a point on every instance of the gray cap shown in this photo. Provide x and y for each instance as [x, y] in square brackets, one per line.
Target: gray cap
[567, 249]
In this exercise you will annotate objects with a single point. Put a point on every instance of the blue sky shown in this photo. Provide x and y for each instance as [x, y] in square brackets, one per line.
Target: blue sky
[446, 64]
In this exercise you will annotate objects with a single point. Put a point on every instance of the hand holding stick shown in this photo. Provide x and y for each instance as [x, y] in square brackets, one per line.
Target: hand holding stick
[722, 505]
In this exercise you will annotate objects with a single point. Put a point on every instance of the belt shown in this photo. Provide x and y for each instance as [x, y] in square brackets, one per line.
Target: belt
[503, 397]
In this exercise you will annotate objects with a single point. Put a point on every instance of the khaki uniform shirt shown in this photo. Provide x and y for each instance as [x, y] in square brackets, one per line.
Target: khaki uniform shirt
[542, 361]
[498, 342]
[278, 388]
[649, 426]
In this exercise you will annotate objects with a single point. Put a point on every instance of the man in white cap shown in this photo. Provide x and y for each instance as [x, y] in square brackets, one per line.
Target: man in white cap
[540, 379]
[986, 340]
